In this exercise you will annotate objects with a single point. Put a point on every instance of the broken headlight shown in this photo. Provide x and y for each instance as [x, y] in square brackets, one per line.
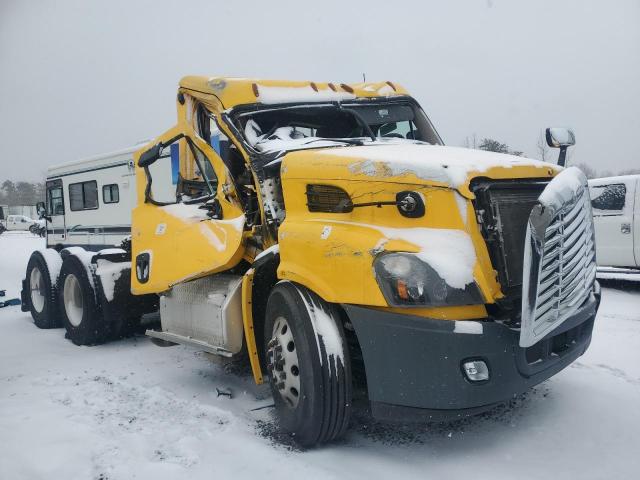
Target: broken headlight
[406, 280]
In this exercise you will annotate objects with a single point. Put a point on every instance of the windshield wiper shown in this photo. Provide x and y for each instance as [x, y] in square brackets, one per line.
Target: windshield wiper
[360, 120]
[350, 141]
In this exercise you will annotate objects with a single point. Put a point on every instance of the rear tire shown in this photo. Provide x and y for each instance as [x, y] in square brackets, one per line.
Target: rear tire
[42, 293]
[309, 365]
[77, 302]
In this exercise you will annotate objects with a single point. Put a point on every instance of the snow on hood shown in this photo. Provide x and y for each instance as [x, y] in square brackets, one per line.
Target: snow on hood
[449, 252]
[449, 165]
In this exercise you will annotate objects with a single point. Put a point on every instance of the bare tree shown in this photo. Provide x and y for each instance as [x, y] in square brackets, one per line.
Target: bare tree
[471, 142]
[544, 152]
[588, 171]
[629, 171]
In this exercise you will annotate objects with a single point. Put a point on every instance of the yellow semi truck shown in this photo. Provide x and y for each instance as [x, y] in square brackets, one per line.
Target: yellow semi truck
[317, 228]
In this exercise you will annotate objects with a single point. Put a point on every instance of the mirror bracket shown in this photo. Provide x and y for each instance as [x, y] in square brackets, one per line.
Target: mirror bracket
[42, 212]
[562, 156]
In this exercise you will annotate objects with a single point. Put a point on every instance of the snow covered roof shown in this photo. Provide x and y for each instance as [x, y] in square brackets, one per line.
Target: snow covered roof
[96, 161]
[610, 180]
[238, 91]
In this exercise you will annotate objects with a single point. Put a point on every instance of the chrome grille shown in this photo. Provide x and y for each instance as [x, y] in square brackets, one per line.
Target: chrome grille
[560, 264]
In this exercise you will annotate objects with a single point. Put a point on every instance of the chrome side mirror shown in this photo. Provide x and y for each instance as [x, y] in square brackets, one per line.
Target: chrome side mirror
[40, 209]
[562, 138]
[42, 212]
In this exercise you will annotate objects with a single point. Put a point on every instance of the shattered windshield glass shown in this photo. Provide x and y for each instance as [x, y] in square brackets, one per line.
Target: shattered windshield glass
[298, 127]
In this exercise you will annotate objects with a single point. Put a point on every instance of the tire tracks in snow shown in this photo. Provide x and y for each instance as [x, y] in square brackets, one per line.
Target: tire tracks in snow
[137, 420]
[616, 372]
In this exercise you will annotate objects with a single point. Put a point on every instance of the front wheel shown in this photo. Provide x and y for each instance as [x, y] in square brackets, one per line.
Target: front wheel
[309, 365]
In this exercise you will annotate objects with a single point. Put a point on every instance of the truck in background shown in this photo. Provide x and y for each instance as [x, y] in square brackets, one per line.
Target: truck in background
[615, 202]
[20, 222]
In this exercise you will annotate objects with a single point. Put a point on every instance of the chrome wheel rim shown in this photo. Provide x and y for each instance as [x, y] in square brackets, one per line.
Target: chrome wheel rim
[37, 289]
[282, 362]
[73, 300]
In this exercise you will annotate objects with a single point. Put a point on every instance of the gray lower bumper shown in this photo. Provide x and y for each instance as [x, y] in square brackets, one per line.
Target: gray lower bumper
[414, 365]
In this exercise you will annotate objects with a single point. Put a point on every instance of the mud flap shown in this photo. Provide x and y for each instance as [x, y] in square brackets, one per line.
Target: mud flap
[120, 308]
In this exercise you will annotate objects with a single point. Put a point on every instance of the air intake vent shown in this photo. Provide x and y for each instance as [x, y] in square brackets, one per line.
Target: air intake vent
[327, 198]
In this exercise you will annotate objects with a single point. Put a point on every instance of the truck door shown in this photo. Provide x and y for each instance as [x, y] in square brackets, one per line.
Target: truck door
[612, 205]
[187, 224]
[56, 233]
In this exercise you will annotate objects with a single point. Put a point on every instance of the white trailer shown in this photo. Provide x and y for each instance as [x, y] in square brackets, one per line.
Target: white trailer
[89, 202]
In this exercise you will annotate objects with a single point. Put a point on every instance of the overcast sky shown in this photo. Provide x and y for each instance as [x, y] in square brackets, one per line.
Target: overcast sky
[78, 78]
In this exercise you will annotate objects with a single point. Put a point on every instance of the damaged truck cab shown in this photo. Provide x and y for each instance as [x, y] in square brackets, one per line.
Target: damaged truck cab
[316, 227]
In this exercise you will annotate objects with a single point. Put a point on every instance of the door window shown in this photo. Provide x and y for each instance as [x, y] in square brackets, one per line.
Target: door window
[608, 199]
[83, 196]
[55, 204]
[182, 173]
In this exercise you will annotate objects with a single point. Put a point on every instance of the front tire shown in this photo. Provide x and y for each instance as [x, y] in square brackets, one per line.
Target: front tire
[309, 365]
[42, 293]
[77, 302]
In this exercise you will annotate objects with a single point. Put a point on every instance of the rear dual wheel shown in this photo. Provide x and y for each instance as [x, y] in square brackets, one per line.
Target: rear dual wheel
[88, 316]
[42, 293]
[77, 303]
[308, 363]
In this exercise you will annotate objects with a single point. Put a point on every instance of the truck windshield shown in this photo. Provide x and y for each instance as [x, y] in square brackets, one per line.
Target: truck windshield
[296, 127]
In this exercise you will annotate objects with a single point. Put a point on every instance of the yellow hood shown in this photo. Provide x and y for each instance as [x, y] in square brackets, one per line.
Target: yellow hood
[411, 164]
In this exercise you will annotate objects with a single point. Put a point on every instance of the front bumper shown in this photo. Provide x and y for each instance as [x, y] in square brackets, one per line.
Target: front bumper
[414, 365]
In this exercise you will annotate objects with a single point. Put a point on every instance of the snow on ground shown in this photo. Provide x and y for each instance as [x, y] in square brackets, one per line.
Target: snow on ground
[130, 409]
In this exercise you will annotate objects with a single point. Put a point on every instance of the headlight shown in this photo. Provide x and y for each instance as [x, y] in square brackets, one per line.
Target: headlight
[405, 280]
